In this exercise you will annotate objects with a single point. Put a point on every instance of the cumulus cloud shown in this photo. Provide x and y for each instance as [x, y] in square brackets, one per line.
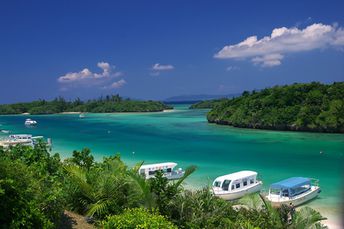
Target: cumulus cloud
[87, 74]
[270, 50]
[160, 67]
[118, 84]
[86, 78]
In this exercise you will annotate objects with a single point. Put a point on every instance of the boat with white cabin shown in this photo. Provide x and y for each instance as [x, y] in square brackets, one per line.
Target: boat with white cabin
[23, 139]
[167, 168]
[30, 122]
[235, 185]
[293, 191]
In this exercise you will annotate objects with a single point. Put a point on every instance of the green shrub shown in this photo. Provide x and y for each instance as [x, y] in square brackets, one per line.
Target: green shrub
[138, 218]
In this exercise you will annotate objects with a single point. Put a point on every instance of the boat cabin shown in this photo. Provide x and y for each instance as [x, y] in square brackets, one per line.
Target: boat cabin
[235, 181]
[290, 187]
[149, 171]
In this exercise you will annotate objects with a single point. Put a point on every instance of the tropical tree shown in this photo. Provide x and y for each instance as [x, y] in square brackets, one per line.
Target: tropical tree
[307, 217]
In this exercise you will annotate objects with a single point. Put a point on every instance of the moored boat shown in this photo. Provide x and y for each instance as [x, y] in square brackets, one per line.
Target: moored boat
[30, 122]
[167, 168]
[235, 185]
[23, 139]
[293, 191]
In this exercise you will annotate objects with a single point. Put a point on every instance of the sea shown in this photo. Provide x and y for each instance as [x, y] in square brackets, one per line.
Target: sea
[184, 136]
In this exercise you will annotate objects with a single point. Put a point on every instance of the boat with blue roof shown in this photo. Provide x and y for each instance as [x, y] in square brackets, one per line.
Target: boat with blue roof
[293, 191]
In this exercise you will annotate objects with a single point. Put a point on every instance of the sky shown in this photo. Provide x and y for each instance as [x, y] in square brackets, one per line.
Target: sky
[159, 49]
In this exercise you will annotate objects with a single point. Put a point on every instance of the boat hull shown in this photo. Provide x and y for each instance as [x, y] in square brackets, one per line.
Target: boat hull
[295, 201]
[240, 193]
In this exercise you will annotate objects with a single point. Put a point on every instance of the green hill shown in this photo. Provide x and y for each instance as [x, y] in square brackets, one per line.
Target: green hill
[106, 104]
[300, 107]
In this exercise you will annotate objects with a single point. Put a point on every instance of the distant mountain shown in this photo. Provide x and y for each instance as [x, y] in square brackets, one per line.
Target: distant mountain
[197, 98]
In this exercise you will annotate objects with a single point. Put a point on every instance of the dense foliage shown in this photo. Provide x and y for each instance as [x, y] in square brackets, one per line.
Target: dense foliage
[31, 188]
[106, 104]
[138, 218]
[36, 187]
[303, 107]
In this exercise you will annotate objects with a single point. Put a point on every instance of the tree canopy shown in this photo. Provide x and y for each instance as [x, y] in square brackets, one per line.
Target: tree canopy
[107, 104]
[301, 107]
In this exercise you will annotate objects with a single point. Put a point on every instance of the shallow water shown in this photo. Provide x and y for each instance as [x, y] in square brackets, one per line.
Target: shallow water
[185, 137]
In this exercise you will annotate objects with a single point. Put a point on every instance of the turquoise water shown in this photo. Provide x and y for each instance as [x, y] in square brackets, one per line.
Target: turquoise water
[185, 137]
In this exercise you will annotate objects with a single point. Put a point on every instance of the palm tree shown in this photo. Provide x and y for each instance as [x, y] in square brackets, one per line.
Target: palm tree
[308, 218]
[102, 189]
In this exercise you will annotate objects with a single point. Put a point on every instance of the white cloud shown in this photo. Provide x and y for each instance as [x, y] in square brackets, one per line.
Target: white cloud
[270, 50]
[160, 67]
[86, 78]
[232, 68]
[269, 60]
[115, 85]
[87, 74]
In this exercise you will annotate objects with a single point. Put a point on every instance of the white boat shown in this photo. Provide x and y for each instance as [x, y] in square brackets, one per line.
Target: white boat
[235, 185]
[82, 115]
[293, 191]
[30, 122]
[148, 171]
[23, 139]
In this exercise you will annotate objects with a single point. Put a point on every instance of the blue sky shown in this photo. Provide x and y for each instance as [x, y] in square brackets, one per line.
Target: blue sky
[158, 49]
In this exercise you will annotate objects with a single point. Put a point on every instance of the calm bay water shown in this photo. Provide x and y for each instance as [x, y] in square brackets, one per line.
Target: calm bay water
[185, 137]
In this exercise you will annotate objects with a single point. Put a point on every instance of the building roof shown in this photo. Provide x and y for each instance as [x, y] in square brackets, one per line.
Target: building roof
[169, 164]
[290, 183]
[237, 175]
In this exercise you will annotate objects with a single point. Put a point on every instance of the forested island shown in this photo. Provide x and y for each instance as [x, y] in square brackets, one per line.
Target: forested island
[36, 189]
[312, 107]
[107, 104]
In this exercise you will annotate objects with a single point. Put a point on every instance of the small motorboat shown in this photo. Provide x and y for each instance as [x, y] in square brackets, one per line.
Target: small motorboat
[235, 185]
[23, 139]
[293, 191]
[167, 168]
[30, 122]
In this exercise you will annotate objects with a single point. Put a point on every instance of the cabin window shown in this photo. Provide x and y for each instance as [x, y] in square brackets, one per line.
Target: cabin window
[244, 182]
[217, 183]
[151, 172]
[169, 170]
[299, 190]
[251, 181]
[225, 184]
[232, 187]
[237, 185]
[285, 193]
[142, 171]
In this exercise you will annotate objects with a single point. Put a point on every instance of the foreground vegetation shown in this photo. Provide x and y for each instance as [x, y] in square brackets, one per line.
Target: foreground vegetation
[36, 187]
[301, 107]
[106, 104]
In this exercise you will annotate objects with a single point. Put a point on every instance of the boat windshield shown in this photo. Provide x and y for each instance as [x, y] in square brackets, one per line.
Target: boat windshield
[225, 184]
[217, 183]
